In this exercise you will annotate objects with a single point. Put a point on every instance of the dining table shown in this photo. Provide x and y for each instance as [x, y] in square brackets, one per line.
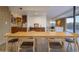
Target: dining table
[34, 35]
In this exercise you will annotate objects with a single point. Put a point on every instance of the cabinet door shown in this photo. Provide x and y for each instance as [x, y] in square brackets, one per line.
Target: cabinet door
[24, 18]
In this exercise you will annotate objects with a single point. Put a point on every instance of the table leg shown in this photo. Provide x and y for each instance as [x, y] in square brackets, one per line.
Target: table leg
[6, 44]
[34, 44]
[48, 45]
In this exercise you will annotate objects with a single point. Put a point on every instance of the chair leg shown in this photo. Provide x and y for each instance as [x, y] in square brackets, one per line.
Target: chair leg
[49, 49]
[71, 47]
[68, 47]
[48, 46]
[63, 47]
[19, 43]
[16, 46]
[76, 48]
[33, 49]
[9, 47]
[13, 47]
[33, 45]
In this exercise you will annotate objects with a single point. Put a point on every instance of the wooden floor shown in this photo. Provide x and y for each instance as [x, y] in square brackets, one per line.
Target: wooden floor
[2, 48]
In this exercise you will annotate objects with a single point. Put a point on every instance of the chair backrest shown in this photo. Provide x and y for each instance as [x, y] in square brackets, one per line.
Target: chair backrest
[13, 40]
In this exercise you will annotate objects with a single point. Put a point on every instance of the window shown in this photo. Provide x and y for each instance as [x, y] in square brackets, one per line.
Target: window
[52, 24]
[77, 24]
[69, 25]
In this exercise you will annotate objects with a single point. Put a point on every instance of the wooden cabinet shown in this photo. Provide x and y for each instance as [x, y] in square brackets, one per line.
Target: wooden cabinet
[24, 18]
[22, 29]
[18, 29]
[14, 29]
[38, 29]
[19, 22]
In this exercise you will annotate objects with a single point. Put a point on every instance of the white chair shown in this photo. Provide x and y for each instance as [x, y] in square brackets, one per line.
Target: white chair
[27, 43]
[54, 41]
[13, 45]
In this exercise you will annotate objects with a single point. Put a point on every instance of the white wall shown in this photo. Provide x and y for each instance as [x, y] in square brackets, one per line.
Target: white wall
[40, 19]
[4, 22]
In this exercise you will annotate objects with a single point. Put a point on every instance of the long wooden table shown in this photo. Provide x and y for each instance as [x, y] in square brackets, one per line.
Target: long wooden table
[39, 34]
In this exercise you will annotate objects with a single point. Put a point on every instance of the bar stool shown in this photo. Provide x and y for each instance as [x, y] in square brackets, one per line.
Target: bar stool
[27, 46]
[12, 44]
[70, 41]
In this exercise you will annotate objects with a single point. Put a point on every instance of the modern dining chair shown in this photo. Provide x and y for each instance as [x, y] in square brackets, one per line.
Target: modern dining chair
[55, 42]
[27, 45]
[13, 45]
[52, 44]
[69, 41]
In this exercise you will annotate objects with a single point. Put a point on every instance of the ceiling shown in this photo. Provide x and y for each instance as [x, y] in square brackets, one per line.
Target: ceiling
[50, 11]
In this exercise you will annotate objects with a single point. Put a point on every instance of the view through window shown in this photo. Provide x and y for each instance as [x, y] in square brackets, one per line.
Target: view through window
[77, 25]
[69, 25]
[52, 24]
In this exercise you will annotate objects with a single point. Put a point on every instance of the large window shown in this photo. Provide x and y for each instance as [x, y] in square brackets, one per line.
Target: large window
[77, 25]
[52, 24]
[69, 24]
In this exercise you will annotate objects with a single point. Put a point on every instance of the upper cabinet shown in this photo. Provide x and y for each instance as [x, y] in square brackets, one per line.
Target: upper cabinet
[24, 18]
[19, 24]
[19, 21]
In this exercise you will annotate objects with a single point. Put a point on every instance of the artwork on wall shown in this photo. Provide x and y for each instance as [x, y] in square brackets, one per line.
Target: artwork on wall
[19, 21]
[59, 23]
[16, 21]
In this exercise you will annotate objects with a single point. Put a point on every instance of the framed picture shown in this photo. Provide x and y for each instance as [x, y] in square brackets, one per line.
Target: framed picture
[59, 23]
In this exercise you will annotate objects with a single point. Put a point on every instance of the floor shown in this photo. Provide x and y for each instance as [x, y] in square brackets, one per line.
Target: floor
[2, 48]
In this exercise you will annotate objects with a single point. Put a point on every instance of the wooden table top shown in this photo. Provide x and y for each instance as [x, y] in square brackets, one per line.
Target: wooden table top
[40, 34]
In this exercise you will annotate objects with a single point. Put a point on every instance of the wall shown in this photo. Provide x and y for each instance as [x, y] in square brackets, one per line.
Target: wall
[41, 20]
[48, 24]
[4, 22]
